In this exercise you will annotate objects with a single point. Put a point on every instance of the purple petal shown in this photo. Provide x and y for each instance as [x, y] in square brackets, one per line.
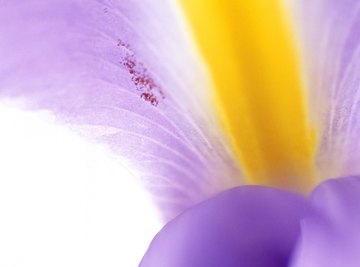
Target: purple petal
[330, 42]
[124, 73]
[244, 226]
[331, 236]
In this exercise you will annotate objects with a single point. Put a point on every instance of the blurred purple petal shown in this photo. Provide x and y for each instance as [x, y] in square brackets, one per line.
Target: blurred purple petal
[244, 226]
[331, 236]
[330, 41]
[126, 74]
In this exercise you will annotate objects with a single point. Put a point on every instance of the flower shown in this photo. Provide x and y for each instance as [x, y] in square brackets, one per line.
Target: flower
[262, 226]
[202, 96]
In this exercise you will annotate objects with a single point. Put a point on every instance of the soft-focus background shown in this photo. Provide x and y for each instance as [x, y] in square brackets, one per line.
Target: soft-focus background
[65, 201]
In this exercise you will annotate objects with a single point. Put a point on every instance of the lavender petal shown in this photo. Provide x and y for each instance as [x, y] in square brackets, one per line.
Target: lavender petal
[123, 73]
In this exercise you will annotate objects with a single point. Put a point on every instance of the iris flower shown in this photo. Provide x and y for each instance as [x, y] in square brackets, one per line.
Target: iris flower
[233, 114]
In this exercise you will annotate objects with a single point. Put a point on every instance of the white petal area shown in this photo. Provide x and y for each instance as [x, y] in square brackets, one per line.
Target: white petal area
[65, 201]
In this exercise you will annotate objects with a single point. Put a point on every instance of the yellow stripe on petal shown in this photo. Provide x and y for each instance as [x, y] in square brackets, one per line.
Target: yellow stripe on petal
[259, 94]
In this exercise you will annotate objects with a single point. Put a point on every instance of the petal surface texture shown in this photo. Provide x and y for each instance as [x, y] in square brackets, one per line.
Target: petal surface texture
[259, 94]
[331, 237]
[123, 73]
[242, 227]
[330, 40]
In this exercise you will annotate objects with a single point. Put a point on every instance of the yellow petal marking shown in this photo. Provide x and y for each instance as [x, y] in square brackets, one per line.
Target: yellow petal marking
[258, 91]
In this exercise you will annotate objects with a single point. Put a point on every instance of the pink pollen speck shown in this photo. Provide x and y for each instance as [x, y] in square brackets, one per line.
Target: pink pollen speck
[142, 80]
